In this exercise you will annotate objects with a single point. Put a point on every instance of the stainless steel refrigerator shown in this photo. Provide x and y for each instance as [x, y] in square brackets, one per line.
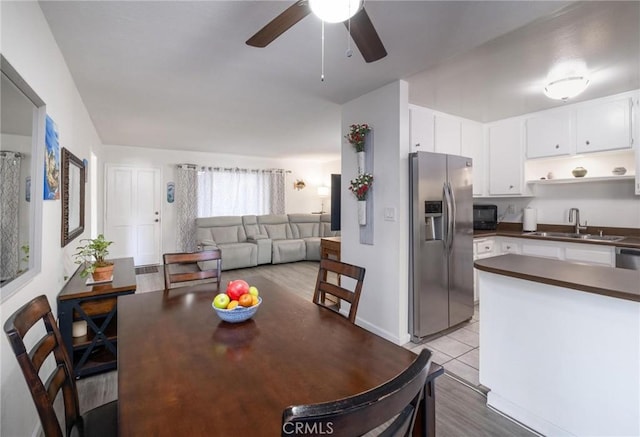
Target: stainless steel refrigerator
[441, 242]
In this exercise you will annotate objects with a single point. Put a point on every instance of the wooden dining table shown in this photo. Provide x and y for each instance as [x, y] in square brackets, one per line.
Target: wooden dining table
[183, 371]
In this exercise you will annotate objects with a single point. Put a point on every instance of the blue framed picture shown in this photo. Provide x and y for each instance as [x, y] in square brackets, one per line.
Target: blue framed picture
[171, 192]
[51, 161]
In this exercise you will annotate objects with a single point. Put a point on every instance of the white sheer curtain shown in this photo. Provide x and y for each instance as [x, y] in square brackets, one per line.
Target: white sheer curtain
[235, 191]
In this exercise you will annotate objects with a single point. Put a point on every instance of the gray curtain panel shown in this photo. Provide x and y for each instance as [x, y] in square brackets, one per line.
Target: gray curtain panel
[276, 192]
[187, 208]
[9, 215]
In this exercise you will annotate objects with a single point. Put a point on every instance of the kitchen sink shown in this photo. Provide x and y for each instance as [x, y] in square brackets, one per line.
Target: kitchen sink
[574, 236]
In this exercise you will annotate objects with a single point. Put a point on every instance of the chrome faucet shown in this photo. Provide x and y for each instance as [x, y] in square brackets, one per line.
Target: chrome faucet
[578, 227]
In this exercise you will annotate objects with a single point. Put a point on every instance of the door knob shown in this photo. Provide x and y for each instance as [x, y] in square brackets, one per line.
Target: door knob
[156, 220]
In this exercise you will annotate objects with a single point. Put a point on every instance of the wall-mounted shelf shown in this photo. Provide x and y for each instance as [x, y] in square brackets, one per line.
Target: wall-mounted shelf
[581, 180]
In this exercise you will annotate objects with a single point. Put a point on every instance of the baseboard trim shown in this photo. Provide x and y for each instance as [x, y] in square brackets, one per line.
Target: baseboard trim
[524, 417]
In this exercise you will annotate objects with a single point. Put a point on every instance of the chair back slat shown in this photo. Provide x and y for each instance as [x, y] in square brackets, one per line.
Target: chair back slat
[42, 350]
[190, 270]
[192, 276]
[327, 287]
[55, 382]
[359, 414]
[323, 287]
[15, 327]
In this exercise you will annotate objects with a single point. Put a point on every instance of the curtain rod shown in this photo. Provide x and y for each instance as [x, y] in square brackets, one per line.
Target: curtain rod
[15, 154]
[205, 168]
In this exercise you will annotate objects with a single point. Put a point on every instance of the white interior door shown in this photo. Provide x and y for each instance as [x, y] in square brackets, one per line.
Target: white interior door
[132, 213]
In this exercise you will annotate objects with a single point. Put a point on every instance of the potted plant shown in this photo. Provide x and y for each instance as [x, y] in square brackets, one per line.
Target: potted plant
[93, 255]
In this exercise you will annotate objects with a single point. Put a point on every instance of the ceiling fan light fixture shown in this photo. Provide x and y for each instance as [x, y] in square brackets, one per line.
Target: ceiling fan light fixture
[335, 11]
[566, 88]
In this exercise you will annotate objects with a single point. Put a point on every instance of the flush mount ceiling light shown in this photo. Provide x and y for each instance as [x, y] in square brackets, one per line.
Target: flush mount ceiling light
[335, 11]
[566, 88]
[567, 80]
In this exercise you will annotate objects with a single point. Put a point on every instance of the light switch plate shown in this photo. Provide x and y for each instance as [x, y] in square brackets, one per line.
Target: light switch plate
[390, 214]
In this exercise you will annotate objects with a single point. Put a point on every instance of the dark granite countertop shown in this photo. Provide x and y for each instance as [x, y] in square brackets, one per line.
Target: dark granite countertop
[607, 281]
[514, 230]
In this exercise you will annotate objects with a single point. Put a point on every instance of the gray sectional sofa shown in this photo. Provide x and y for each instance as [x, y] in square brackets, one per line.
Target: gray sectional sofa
[250, 240]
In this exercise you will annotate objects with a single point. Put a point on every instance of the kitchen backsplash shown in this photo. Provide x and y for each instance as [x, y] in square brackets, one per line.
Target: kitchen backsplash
[610, 204]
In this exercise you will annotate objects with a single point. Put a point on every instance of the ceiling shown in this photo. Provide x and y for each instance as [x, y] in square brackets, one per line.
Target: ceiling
[178, 75]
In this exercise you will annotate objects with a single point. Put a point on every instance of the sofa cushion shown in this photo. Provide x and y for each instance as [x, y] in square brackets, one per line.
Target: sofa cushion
[276, 232]
[305, 230]
[228, 234]
[250, 223]
[238, 255]
[327, 232]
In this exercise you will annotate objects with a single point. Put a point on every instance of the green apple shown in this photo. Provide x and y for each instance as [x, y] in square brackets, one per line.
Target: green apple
[253, 291]
[221, 301]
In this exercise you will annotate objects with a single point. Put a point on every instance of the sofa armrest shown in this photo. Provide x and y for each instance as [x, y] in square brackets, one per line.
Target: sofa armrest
[264, 248]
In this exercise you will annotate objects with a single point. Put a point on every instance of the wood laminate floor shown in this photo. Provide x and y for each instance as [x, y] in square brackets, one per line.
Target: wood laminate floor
[460, 410]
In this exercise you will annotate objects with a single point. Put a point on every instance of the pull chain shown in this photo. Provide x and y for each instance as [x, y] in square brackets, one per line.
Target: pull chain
[322, 73]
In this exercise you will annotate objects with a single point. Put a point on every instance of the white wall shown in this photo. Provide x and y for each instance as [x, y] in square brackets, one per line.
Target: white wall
[29, 46]
[302, 201]
[383, 305]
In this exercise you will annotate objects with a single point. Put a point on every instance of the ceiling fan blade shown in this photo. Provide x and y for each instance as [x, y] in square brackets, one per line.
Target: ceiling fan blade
[366, 37]
[280, 24]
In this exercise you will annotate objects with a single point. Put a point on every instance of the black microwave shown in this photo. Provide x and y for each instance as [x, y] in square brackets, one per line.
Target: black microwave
[485, 217]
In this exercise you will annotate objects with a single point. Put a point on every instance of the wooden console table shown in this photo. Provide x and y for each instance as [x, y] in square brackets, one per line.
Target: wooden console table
[330, 248]
[95, 304]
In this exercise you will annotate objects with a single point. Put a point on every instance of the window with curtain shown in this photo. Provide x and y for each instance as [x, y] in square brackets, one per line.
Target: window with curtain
[234, 191]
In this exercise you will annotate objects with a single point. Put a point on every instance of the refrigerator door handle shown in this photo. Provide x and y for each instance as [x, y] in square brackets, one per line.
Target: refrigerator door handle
[452, 216]
[449, 228]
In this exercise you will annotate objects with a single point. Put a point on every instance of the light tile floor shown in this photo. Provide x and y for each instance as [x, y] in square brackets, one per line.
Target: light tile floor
[457, 351]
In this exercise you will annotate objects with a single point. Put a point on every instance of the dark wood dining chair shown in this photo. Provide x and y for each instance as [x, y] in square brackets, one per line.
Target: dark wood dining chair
[101, 421]
[185, 267]
[323, 287]
[390, 409]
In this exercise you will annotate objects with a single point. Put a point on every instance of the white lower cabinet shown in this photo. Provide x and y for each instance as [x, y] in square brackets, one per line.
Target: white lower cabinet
[567, 251]
[510, 245]
[542, 249]
[482, 248]
[590, 254]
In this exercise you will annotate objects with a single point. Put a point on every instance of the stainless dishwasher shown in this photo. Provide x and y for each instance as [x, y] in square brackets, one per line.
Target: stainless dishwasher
[627, 258]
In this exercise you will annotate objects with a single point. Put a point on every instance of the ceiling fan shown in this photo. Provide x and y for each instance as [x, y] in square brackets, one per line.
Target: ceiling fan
[355, 19]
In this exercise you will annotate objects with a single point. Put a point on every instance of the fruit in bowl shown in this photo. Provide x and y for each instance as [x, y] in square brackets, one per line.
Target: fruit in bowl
[238, 303]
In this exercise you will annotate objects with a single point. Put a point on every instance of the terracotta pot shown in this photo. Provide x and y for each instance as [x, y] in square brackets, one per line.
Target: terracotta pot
[103, 273]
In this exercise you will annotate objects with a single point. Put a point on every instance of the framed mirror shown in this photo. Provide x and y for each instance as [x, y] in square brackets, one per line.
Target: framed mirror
[22, 126]
[72, 196]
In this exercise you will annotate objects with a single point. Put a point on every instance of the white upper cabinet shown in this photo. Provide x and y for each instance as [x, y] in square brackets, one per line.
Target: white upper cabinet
[447, 134]
[421, 121]
[549, 134]
[505, 158]
[605, 125]
[472, 145]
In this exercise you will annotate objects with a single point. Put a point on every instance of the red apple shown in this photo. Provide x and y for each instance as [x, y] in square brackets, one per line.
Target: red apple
[237, 288]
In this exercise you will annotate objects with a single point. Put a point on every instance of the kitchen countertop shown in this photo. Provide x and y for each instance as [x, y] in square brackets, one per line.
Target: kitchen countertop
[607, 281]
[631, 241]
